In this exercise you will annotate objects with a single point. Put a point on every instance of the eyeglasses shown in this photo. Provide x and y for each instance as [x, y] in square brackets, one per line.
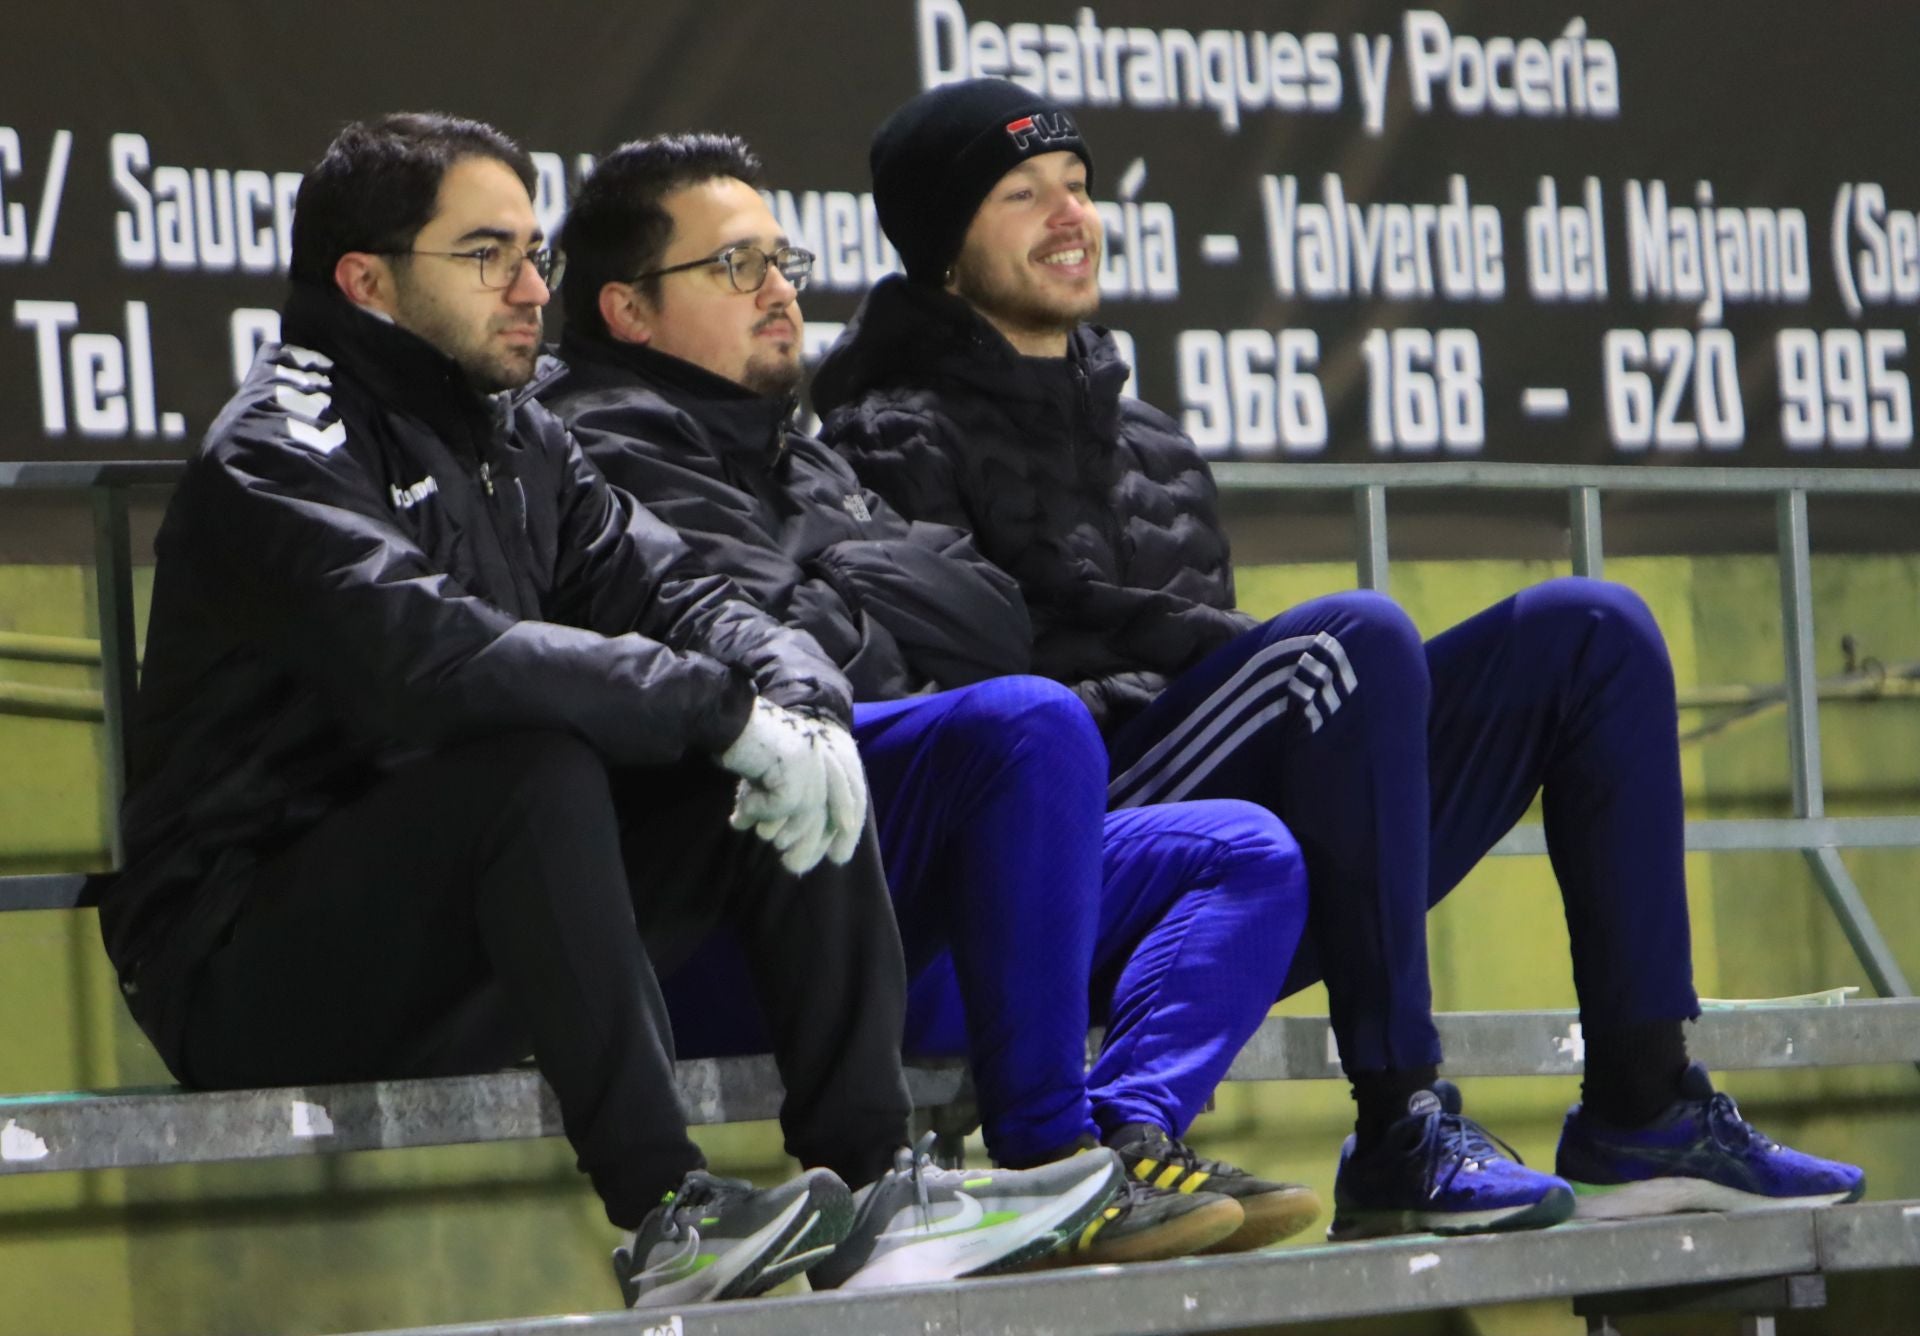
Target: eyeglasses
[747, 267]
[501, 262]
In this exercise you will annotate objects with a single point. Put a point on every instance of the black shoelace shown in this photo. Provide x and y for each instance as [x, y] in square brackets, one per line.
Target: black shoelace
[685, 1210]
[1730, 1131]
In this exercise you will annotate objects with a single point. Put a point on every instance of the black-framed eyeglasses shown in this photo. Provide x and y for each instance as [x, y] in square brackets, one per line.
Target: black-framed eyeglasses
[747, 266]
[501, 262]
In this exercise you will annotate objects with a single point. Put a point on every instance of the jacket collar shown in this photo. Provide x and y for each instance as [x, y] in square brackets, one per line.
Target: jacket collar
[736, 420]
[398, 368]
[913, 333]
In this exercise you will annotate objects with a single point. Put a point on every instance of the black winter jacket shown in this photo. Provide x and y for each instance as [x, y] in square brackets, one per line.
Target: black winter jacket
[899, 606]
[367, 560]
[1098, 504]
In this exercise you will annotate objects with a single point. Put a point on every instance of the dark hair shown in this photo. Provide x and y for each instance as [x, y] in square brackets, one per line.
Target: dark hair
[378, 182]
[619, 225]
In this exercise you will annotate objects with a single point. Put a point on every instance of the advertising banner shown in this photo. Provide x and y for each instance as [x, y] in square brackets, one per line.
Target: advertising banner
[1347, 232]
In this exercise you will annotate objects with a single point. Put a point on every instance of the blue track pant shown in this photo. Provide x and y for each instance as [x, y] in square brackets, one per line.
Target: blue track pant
[1399, 764]
[1028, 912]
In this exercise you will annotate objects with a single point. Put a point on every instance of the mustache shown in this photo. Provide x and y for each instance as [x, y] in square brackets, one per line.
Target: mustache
[771, 319]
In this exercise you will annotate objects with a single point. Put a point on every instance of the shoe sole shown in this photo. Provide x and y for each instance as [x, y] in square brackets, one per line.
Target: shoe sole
[1270, 1217]
[1551, 1209]
[1671, 1196]
[1183, 1236]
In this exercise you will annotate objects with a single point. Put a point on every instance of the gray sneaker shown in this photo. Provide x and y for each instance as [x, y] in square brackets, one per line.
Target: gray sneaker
[723, 1238]
[921, 1223]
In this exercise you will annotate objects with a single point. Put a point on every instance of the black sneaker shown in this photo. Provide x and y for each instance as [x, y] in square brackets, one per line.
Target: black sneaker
[723, 1238]
[1149, 1224]
[1271, 1210]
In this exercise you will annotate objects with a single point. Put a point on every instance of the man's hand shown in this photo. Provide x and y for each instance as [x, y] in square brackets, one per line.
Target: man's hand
[801, 786]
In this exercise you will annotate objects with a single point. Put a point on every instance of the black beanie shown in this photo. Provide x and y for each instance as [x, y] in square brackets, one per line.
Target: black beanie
[939, 154]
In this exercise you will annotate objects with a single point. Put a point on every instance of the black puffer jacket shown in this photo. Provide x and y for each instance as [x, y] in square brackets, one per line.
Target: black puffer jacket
[899, 606]
[1099, 505]
[365, 561]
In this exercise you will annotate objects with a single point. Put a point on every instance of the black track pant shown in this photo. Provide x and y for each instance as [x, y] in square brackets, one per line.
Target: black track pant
[482, 904]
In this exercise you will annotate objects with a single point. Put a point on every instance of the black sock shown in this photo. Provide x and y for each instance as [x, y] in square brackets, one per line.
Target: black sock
[1127, 1133]
[1633, 1071]
[1382, 1097]
[1083, 1142]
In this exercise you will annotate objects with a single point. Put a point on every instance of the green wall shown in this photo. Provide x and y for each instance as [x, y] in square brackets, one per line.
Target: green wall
[384, 1239]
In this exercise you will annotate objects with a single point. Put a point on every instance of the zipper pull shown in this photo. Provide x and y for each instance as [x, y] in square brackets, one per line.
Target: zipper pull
[486, 477]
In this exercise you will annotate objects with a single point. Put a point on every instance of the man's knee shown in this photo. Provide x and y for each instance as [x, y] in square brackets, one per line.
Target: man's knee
[1238, 847]
[1257, 852]
[539, 773]
[1362, 613]
[1617, 617]
[1025, 716]
[1359, 635]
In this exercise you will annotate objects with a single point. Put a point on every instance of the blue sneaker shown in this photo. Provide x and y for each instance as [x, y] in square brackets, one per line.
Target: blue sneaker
[1700, 1155]
[1438, 1171]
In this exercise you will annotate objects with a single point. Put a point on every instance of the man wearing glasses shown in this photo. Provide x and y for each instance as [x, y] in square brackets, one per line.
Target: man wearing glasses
[1026, 910]
[438, 739]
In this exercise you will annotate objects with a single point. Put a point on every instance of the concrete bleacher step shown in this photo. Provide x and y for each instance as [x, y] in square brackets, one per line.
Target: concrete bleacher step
[167, 1125]
[1311, 1284]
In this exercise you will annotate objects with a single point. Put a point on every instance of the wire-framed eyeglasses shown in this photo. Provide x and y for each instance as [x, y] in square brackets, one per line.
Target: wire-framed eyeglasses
[747, 266]
[501, 262]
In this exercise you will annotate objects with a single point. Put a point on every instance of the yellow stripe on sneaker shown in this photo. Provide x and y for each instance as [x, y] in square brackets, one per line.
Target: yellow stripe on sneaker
[1143, 1169]
[1169, 1178]
[1093, 1226]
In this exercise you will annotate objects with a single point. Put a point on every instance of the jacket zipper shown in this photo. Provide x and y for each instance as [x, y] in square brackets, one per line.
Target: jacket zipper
[503, 541]
[1081, 417]
[1082, 407]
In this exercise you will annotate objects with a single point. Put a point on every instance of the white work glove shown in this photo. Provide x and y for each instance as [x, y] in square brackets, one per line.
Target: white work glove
[770, 815]
[846, 793]
[783, 793]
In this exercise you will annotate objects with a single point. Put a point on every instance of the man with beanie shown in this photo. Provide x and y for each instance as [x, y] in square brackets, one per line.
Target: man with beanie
[446, 750]
[974, 392]
[1028, 911]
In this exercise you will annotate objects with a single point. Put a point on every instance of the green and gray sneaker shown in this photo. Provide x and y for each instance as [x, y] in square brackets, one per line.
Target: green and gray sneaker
[1272, 1210]
[920, 1223]
[723, 1238]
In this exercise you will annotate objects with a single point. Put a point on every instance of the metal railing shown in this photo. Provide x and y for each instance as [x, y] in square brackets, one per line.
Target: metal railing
[1809, 831]
[108, 486]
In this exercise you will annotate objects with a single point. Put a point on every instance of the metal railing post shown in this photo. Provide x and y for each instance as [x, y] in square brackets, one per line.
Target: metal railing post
[1796, 627]
[1370, 521]
[113, 582]
[1584, 503]
[1803, 736]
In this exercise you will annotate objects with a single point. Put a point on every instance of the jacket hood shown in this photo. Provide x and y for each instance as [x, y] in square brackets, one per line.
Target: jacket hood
[912, 334]
[736, 419]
